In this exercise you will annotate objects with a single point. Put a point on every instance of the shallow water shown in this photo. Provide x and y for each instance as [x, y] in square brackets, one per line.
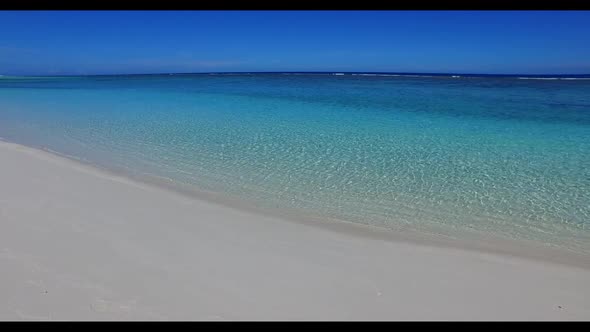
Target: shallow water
[495, 155]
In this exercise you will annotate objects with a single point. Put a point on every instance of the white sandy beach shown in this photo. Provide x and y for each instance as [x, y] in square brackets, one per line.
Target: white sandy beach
[79, 244]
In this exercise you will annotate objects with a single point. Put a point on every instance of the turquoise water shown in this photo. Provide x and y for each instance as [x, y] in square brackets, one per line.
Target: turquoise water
[497, 155]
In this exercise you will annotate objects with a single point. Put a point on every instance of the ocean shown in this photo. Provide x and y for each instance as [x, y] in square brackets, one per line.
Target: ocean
[507, 156]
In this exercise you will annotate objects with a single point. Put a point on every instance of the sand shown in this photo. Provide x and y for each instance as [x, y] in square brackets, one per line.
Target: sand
[77, 243]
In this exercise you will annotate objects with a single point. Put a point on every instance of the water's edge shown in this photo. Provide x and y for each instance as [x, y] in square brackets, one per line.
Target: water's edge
[483, 244]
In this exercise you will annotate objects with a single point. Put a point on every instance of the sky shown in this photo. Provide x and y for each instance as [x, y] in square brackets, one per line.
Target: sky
[126, 42]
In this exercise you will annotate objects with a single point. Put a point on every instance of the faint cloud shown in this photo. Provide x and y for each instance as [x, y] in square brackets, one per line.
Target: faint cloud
[185, 64]
[215, 63]
[11, 50]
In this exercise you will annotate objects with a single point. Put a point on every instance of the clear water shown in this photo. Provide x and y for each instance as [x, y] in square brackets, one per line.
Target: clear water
[496, 155]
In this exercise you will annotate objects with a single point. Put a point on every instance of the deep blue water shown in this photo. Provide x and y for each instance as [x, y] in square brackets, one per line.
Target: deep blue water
[507, 155]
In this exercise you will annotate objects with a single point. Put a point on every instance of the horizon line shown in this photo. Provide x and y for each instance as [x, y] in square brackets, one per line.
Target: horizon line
[308, 72]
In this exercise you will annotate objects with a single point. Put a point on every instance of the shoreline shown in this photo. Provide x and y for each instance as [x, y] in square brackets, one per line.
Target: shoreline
[485, 243]
[81, 243]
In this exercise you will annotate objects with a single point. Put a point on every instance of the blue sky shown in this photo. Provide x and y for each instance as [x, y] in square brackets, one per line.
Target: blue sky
[103, 42]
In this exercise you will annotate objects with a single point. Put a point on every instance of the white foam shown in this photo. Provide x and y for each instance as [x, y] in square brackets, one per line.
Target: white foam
[554, 78]
[537, 78]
